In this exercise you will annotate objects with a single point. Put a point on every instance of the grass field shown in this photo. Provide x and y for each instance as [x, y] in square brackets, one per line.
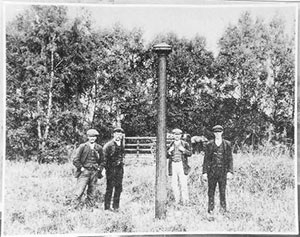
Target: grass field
[260, 198]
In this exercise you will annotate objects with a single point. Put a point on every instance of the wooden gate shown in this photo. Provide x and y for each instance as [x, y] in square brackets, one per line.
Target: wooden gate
[140, 146]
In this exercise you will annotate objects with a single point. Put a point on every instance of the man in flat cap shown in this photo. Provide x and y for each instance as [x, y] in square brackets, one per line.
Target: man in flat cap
[88, 162]
[114, 153]
[217, 167]
[178, 153]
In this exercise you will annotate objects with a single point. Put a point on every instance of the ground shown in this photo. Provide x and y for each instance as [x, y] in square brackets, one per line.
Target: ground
[261, 199]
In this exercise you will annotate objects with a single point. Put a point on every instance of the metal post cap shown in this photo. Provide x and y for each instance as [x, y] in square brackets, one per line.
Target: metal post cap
[162, 47]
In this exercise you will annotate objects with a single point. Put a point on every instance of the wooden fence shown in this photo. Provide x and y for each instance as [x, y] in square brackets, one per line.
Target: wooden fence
[141, 145]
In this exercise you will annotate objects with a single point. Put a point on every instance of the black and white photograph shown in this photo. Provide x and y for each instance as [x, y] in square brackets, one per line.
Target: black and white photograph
[149, 119]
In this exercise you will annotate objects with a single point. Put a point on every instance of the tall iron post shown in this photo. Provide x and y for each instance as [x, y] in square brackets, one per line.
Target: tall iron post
[162, 51]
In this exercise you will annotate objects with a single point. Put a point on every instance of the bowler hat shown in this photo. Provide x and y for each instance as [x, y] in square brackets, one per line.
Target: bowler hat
[119, 130]
[177, 131]
[92, 132]
[218, 128]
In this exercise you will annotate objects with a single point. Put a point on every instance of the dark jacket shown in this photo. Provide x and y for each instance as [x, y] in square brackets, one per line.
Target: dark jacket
[110, 157]
[81, 155]
[184, 157]
[208, 163]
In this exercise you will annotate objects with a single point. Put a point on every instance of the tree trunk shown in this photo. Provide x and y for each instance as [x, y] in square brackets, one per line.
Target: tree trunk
[90, 106]
[40, 136]
[119, 116]
[50, 95]
[94, 103]
[44, 137]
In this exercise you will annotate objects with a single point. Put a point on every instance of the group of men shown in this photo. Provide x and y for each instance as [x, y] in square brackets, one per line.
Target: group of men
[91, 159]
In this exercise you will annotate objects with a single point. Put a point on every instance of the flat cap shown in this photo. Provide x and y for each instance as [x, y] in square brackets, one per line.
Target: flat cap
[218, 128]
[177, 131]
[92, 132]
[119, 130]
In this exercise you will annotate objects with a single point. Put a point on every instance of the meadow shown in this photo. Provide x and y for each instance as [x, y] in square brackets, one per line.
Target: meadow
[260, 199]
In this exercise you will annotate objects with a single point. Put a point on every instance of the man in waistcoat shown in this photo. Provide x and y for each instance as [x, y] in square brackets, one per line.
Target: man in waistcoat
[178, 153]
[88, 162]
[114, 153]
[217, 167]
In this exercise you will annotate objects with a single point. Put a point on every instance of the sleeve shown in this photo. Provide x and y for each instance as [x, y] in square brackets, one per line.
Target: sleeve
[205, 160]
[101, 157]
[123, 145]
[77, 160]
[230, 159]
[106, 153]
[169, 156]
[187, 151]
[123, 150]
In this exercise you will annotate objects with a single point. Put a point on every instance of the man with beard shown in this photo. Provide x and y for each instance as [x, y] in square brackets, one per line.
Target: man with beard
[217, 167]
[114, 154]
[88, 160]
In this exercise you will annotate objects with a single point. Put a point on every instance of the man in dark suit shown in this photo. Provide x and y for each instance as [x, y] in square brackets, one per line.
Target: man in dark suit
[114, 153]
[178, 153]
[88, 162]
[217, 167]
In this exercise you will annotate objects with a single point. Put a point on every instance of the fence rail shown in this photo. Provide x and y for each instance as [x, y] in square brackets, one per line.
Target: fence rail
[141, 145]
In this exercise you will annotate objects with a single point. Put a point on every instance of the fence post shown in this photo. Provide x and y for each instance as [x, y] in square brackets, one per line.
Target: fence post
[161, 162]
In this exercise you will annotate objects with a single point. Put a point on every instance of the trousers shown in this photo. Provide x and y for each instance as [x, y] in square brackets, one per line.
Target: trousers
[179, 183]
[218, 176]
[114, 179]
[87, 179]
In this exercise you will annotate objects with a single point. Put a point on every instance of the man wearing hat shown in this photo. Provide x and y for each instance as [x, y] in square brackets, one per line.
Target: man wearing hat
[114, 153]
[217, 167]
[88, 162]
[178, 153]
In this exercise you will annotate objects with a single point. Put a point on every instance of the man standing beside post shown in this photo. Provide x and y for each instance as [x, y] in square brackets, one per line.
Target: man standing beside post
[88, 160]
[217, 167]
[114, 153]
[178, 153]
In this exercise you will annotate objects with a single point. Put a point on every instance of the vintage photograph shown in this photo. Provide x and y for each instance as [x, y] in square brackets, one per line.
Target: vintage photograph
[150, 119]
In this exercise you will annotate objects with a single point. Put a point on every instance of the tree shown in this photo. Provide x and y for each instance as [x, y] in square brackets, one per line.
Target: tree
[48, 72]
[281, 83]
[121, 78]
[252, 54]
[40, 31]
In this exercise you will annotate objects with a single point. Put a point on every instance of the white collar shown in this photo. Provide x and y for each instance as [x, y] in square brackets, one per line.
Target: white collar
[218, 142]
[92, 145]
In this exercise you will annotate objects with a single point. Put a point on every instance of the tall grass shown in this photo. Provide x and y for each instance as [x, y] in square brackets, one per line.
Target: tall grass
[260, 198]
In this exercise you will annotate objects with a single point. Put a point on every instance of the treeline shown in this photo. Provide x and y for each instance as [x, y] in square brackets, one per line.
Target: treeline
[64, 76]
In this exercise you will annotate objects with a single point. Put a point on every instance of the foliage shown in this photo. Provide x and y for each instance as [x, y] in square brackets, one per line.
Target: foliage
[122, 94]
[64, 76]
[254, 69]
[33, 42]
